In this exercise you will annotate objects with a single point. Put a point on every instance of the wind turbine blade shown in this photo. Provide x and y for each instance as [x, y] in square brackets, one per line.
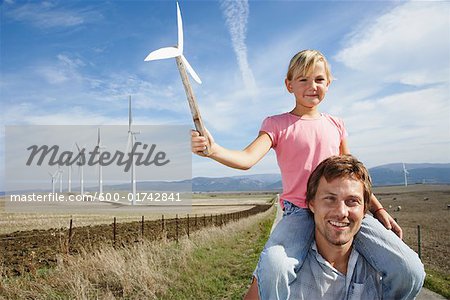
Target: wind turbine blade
[190, 70]
[180, 30]
[79, 150]
[98, 136]
[163, 53]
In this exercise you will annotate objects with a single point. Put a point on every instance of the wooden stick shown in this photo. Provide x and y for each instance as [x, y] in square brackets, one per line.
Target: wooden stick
[192, 101]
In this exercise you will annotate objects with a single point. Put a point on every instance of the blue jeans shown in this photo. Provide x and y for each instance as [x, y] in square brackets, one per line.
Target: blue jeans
[284, 253]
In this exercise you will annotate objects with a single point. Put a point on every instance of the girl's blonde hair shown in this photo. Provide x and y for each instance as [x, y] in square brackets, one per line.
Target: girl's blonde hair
[303, 62]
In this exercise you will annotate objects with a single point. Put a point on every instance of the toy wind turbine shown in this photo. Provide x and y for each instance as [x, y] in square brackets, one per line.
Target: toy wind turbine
[183, 65]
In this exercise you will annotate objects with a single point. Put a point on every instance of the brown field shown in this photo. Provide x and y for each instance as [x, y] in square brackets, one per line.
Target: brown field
[427, 206]
[32, 242]
[29, 238]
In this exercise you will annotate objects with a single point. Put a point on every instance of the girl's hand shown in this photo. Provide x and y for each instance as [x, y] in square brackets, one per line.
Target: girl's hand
[199, 143]
[385, 218]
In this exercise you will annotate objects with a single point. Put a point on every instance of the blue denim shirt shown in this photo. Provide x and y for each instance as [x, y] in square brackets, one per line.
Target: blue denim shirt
[317, 279]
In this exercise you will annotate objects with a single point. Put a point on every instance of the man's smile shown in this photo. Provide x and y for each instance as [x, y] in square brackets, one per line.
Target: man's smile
[339, 224]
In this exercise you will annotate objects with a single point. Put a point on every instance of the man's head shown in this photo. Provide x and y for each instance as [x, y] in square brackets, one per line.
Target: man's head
[338, 194]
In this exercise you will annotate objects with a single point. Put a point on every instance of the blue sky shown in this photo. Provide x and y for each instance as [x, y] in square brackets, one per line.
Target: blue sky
[76, 62]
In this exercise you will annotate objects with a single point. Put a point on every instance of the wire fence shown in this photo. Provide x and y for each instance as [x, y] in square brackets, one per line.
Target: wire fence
[24, 252]
[431, 244]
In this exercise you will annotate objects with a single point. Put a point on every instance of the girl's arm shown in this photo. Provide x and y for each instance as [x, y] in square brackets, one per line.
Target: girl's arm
[384, 217]
[238, 159]
[375, 206]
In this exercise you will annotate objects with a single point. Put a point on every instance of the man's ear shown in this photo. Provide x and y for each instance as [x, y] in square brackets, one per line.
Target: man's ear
[311, 205]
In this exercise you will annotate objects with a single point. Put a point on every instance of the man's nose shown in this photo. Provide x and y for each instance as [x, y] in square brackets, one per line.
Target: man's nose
[341, 209]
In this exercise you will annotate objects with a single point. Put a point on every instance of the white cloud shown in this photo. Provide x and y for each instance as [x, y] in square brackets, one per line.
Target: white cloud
[46, 15]
[411, 126]
[236, 15]
[409, 45]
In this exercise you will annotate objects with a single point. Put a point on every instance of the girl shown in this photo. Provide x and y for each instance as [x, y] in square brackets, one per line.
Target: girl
[302, 138]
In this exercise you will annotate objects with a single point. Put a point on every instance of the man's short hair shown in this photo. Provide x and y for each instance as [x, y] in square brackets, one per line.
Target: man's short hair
[344, 166]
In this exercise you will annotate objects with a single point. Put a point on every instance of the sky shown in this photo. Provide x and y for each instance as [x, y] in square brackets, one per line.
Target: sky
[76, 63]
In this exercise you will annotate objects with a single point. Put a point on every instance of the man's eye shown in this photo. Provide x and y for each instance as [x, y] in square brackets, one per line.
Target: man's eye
[353, 202]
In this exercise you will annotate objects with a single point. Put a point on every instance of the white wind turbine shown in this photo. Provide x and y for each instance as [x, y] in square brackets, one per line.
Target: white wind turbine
[100, 172]
[60, 177]
[183, 65]
[130, 144]
[69, 179]
[81, 161]
[405, 172]
[54, 178]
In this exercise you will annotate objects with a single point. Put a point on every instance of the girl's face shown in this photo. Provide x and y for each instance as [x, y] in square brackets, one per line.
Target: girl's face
[309, 90]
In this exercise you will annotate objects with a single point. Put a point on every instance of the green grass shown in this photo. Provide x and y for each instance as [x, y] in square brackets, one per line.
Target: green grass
[222, 270]
[438, 283]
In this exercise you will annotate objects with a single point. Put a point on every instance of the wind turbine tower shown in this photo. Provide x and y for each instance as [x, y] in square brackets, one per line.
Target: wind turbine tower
[130, 145]
[53, 176]
[60, 177]
[100, 172]
[81, 162]
[69, 179]
[405, 172]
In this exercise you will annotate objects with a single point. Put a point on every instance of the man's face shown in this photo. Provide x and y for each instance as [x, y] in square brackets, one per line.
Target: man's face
[338, 209]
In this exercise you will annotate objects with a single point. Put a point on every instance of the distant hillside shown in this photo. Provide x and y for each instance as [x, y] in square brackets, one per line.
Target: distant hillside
[392, 174]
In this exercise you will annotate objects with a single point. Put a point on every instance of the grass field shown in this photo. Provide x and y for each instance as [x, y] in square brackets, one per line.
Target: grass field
[215, 263]
[427, 206]
[193, 261]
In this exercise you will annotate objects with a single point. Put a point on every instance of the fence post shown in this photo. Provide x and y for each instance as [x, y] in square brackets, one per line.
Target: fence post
[419, 246]
[204, 220]
[142, 227]
[195, 220]
[70, 236]
[162, 223]
[114, 232]
[188, 225]
[176, 224]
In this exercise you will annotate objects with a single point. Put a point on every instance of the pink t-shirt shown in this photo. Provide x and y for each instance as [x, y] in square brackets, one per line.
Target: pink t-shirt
[300, 145]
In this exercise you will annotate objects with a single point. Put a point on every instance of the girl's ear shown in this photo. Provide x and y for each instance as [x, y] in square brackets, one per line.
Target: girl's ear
[287, 82]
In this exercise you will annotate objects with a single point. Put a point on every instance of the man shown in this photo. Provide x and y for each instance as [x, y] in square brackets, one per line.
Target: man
[338, 194]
